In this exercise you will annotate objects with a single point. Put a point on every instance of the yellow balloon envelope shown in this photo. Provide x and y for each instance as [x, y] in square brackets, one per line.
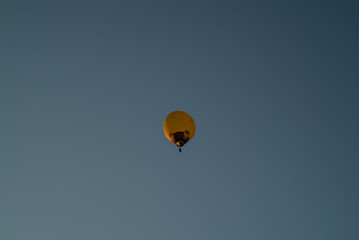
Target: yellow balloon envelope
[179, 128]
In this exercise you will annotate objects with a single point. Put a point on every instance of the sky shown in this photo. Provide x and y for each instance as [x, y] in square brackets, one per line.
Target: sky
[85, 87]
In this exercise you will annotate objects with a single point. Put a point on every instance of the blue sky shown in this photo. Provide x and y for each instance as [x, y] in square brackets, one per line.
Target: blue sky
[86, 85]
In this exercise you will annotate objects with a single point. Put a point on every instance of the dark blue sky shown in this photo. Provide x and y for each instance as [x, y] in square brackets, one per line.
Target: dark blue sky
[86, 85]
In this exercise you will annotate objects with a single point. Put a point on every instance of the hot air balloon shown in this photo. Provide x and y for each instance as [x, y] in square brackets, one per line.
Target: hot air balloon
[179, 128]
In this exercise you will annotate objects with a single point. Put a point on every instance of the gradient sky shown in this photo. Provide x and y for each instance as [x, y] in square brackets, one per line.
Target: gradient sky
[86, 85]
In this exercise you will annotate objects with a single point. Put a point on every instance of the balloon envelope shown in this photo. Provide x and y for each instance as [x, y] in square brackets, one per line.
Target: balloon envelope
[179, 128]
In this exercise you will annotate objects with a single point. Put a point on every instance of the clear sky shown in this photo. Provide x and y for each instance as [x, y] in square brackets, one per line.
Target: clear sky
[86, 85]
